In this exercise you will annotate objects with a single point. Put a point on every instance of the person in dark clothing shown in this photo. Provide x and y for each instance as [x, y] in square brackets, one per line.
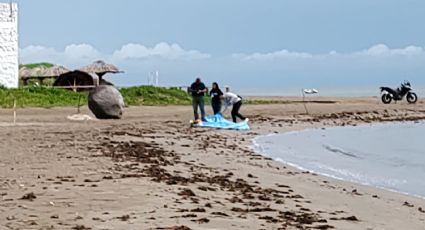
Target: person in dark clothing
[215, 95]
[198, 90]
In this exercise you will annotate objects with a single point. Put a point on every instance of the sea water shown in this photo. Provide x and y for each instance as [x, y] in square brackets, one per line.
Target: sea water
[390, 155]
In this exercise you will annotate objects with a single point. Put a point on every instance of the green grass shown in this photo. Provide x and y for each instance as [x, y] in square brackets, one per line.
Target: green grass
[39, 97]
[36, 96]
[149, 95]
[35, 65]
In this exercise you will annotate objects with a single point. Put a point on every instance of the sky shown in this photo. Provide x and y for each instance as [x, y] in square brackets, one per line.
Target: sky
[257, 47]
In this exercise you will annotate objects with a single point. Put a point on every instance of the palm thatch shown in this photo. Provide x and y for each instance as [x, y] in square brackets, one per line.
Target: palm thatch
[42, 72]
[56, 70]
[100, 68]
[25, 72]
[75, 80]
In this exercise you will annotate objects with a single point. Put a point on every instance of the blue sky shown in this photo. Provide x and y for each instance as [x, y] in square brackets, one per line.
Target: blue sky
[270, 47]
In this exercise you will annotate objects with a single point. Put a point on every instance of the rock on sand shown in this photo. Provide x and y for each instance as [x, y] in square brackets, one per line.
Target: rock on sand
[106, 102]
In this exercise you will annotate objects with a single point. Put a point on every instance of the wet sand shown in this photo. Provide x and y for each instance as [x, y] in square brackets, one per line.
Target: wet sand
[151, 170]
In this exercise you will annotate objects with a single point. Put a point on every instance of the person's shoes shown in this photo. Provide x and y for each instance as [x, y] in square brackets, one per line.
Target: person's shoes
[204, 120]
[246, 120]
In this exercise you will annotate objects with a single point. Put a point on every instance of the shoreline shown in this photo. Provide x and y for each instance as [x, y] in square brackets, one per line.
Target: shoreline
[258, 149]
[152, 170]
[302, 169]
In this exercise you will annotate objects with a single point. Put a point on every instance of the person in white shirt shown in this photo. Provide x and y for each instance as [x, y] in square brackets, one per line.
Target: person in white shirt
[231, 99]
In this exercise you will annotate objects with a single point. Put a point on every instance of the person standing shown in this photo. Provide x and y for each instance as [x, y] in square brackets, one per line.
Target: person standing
[216, 95]
[198, 91]
[231, 99]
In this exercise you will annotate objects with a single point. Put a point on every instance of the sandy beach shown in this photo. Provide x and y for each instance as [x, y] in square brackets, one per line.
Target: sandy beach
[151, 170]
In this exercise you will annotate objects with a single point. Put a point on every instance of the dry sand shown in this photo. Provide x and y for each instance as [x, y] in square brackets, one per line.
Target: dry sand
[150, 170]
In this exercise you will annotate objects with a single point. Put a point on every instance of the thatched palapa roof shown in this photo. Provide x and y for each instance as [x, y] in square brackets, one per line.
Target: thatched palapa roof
[56, 71]
[42, 71]
[25, 72]
[100, 68]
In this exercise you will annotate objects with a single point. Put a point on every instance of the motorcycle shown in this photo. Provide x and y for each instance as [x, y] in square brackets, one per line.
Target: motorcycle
[405, 90]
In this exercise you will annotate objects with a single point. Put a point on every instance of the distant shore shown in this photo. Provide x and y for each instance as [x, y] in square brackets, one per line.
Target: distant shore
[152, 170]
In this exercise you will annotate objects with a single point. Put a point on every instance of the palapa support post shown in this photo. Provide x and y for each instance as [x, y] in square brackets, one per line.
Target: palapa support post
[78, 105]
[75, 85]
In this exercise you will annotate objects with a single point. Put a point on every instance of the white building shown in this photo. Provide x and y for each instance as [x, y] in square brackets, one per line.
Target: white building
[9, 66]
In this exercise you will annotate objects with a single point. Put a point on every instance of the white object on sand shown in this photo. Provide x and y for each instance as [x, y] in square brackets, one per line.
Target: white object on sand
[311, 91]
[307, 91]
[79, 117]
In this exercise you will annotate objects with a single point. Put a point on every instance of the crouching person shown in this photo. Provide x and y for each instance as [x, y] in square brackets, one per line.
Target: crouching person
[231, 99]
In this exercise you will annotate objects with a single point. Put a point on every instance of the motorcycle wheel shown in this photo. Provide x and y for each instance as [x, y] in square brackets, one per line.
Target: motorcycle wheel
[412, 98]
[386, 98]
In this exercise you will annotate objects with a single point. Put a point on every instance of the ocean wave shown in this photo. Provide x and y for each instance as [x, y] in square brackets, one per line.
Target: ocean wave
[341, 151]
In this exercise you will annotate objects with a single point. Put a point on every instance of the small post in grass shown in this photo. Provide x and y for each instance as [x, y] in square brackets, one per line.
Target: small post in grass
[14, 111]
[78, 105]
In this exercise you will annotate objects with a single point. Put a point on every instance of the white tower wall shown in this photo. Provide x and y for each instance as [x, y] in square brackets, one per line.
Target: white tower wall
[9, 66]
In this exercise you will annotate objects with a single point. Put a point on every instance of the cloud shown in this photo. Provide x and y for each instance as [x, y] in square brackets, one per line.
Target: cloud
[83, 51]
[382, 50]
[281, 54]
[79, 54]
[74, 54]
[161, 50]
[376, 51]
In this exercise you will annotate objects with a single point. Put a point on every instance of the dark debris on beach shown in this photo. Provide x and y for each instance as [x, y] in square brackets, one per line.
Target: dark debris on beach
[147, 158]
[145, 155]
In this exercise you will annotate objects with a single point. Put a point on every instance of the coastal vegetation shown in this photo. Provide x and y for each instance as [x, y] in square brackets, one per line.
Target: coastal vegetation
[150, 95]
[36, 65]
[41, 94]
[38, 96]
[47, 97]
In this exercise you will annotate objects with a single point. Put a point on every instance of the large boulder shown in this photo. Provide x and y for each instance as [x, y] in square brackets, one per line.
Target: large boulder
[106, 102]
